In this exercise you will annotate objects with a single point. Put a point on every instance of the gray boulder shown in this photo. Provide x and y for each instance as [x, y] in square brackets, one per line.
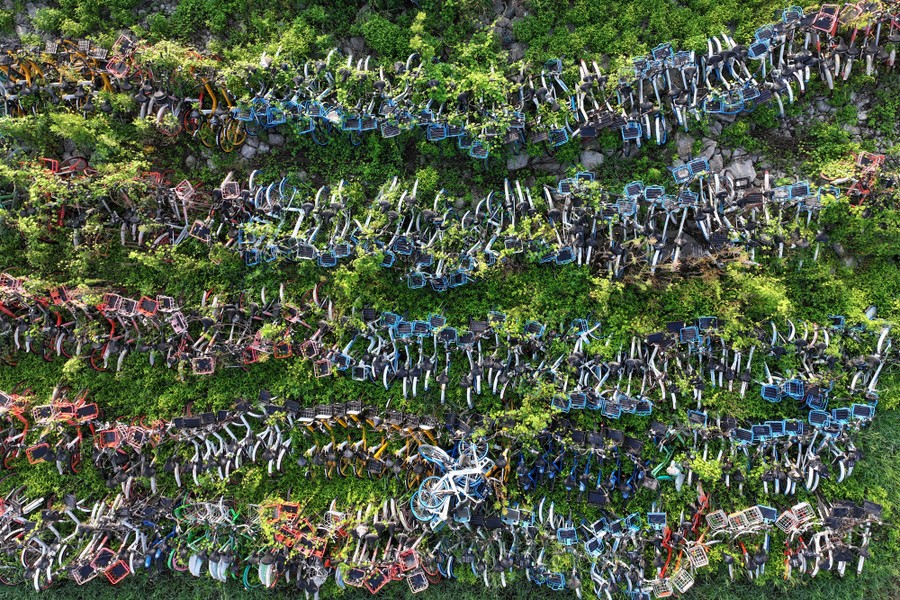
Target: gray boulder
[547, 164]
[517, 51]
[248, 151]
[684, 145]
[517, 161]
[709, 148]
[743, 167]
[591, 159]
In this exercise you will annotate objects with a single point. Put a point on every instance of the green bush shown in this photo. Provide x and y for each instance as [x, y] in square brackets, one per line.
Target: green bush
[158, 26]
[385, 38]
[190, 16]
[49, 19]
[739, 293]
[7, 21]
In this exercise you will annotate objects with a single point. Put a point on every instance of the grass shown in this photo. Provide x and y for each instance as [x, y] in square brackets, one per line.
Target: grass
[240, 30]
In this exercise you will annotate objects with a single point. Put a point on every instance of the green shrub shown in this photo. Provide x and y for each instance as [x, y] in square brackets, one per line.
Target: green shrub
[385, 38]
[7, 21]
[190, 17]
[158, 26]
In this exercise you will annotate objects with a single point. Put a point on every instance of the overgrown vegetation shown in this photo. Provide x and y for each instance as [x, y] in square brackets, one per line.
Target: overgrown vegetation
[795, 287]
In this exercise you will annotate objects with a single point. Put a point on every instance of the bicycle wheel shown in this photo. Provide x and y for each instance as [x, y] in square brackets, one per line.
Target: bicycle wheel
[322, 135]
[235, 132]
[206, 134]
[475, 449]
[413, 479]
[252, 128]
[11, 574]
[42, 580]
[168, 122]
[419, 510]
[431, 492]
[174, 562]
[191, 121]
[223, 142]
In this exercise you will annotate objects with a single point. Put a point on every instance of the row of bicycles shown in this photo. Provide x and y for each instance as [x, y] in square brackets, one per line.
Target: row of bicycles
[497, 356]
[443, 517]
[222, 105]
[501, 449]
[353, 440]
[442, 243]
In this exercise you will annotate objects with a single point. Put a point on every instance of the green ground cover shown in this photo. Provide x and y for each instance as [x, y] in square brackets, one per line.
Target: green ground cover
[240, 30]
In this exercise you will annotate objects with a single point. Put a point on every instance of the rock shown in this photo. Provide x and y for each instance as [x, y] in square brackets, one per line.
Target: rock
[548, 164]
[862, 115]
[839, 250]
[31, 9]
[850, 262]
[248, 151]
[852, 129]
[684, 145]
[591, 159]
[252, 141]
[517, 51]
[742, 168]
[503, 23]
[517, 161]
[716, 163]
[631, 150]
[190, 162]
[715, 128]
[276, 140]
[821, 106]
[358, 44]
[709, 148]
[264, 148]
[459, 204]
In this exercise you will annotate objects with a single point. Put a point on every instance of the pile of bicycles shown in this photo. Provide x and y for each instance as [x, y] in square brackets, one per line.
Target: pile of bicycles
[437, 523]
[416, 445]
[445, 477]
[337, 97]
[437, 245]
[488, 356]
